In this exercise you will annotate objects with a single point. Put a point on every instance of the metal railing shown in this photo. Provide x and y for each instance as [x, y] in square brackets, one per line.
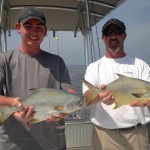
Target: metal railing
[78, 134]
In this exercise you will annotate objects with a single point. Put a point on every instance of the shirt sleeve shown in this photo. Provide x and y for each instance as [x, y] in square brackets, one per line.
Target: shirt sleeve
[2, 73]
[64, 76]
[144, 70]
[91, 76]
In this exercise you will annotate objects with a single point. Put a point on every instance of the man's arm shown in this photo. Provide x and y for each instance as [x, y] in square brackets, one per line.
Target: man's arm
[10, 101]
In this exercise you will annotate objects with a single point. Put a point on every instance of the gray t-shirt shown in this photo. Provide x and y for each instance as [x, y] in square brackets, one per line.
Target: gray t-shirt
[19, 73]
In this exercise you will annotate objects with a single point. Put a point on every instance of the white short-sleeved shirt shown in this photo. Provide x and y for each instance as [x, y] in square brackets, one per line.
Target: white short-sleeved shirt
[104, 71]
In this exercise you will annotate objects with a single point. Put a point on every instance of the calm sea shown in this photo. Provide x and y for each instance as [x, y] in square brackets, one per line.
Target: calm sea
[76, 73]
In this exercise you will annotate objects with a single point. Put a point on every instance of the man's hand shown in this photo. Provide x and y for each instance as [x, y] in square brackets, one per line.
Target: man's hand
[106, 97]
[16, 102]
[25, 115]
[57, 118]
[71, 90]
[137, 103]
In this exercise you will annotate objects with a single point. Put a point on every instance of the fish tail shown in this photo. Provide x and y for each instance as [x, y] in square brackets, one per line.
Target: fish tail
[94, 92]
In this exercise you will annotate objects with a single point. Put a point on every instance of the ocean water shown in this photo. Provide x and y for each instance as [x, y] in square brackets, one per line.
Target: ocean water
[76, 73]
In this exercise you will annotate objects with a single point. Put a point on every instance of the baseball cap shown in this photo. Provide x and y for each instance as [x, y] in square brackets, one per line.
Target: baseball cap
[30, 12]
[114, 21]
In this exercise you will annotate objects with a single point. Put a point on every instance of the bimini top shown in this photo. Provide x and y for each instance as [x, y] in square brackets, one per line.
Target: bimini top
[61, 15]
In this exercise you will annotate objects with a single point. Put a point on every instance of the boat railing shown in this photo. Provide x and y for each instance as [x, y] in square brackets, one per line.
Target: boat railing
[78, 134]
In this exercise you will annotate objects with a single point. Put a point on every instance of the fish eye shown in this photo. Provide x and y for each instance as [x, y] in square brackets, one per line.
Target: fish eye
[80, 103]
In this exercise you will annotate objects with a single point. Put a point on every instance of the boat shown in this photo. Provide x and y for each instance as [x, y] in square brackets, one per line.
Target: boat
[67, 15]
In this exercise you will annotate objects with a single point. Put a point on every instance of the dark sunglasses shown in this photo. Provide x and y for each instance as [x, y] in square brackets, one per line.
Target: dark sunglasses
[109, 32]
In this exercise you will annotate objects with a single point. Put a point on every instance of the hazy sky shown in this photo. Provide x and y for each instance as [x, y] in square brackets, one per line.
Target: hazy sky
[134, 13]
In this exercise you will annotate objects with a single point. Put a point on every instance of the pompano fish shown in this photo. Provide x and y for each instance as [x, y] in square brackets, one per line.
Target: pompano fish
[124, 89]
[46, 102]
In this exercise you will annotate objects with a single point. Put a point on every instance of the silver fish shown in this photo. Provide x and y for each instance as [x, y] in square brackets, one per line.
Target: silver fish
[46, 102]
[124, 89]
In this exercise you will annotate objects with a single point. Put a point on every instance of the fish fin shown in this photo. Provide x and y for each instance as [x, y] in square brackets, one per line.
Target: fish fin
[117, 103]
[38, 89]
[88, 84]
[121, 76]
[138, 95]
[121, 100]
[34, 120]
[88, 103]
[59, 107]
[94, 92]
[116, 106]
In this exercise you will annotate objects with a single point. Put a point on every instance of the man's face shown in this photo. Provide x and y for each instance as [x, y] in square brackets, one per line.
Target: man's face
[113, 38]
[32, 31]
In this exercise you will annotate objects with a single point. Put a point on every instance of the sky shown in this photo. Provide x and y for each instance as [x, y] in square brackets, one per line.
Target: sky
[134, 13]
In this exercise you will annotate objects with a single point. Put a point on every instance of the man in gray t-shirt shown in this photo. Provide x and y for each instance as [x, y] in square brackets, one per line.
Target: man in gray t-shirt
[26, 68]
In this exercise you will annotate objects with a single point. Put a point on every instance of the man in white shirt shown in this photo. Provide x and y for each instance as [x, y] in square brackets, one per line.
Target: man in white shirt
[123, 128]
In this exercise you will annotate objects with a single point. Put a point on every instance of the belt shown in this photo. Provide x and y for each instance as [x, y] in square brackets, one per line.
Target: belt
[128, 129]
